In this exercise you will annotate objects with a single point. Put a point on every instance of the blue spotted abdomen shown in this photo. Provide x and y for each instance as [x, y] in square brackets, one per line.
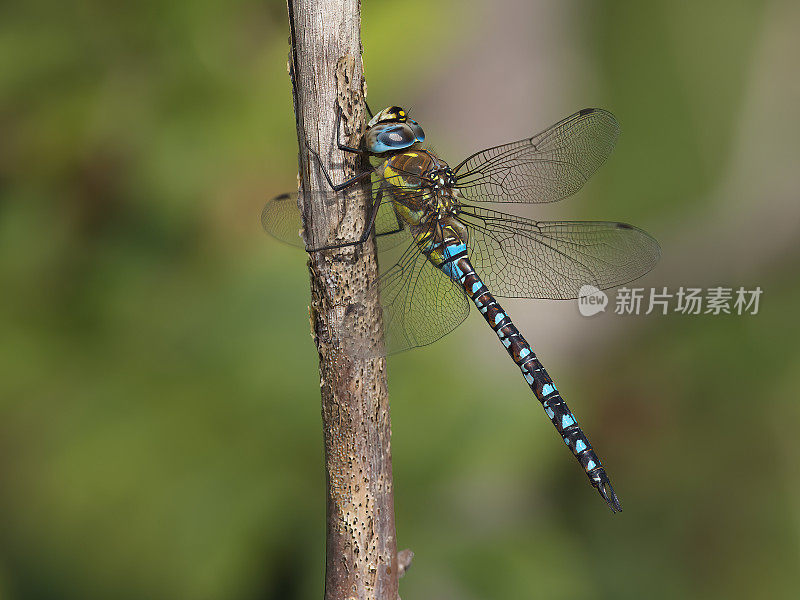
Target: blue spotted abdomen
[455, 263]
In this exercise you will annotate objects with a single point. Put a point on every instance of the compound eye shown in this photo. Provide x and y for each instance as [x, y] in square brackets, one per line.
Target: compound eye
[416, 130]
[396, 137]
[388, 137]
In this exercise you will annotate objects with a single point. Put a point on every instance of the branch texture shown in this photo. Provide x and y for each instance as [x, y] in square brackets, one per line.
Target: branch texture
[326, 69]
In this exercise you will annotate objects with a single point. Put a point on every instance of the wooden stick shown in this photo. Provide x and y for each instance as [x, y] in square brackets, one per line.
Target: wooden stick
[326, 68]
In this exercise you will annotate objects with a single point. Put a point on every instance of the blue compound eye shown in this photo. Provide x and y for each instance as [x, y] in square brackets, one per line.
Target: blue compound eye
[416, 130]
[389, 136]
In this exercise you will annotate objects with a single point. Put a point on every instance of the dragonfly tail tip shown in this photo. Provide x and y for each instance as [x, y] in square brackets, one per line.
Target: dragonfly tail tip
[608, 494]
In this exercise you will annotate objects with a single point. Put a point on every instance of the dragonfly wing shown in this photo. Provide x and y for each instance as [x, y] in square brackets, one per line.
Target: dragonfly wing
[419, 305]
[523, 258]
[281, 217]
[544, 168]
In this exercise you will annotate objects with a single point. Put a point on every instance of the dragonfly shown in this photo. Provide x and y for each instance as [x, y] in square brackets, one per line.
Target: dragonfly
[440, 248]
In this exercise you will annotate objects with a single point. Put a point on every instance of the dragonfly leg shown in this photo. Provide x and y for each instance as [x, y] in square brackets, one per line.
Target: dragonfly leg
[370, 224]
[398, 229]
[339, 143]
[340, 186]
[337, 187]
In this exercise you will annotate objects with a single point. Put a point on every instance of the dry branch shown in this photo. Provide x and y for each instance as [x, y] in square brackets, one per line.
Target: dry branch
[326, 68]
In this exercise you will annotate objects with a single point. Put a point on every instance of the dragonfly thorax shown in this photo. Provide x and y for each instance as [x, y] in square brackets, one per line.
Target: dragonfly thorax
[421, 185]
[442, 178]
[442, 198]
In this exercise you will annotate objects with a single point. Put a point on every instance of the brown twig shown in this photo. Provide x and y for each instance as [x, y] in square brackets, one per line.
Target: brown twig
[326, 69]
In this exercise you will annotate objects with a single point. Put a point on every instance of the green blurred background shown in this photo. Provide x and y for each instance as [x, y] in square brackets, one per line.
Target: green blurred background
[160, 430]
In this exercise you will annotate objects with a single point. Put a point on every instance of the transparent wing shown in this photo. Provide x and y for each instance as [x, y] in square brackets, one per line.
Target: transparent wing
[281, 217]
[523, 258]
[419, 304]
[547, 167]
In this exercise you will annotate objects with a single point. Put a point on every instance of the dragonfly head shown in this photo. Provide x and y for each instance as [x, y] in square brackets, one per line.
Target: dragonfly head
[391, 130]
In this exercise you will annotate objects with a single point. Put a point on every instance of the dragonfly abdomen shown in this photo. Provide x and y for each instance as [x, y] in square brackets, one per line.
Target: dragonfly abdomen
[460, 270]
